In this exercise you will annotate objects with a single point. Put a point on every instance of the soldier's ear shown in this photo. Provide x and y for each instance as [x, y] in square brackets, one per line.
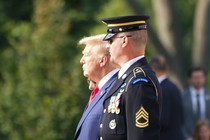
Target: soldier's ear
[124, 41]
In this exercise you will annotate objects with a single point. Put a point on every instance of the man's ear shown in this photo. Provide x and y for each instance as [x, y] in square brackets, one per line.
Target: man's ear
[103, 60]
[124, 41]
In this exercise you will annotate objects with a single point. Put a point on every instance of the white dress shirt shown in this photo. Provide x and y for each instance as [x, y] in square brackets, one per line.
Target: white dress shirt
[128, 64]
[162, 77]
[103, 81]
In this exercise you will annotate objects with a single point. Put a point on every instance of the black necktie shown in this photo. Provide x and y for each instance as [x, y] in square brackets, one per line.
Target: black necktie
[198, 112]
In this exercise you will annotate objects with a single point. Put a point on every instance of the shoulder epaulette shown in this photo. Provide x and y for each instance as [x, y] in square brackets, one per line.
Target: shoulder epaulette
[138, 76]
[138, 71]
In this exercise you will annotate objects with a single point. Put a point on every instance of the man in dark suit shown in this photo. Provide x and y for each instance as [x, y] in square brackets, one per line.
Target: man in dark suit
[98, 68]
[132, 106]
[172, 112]
[196, 100]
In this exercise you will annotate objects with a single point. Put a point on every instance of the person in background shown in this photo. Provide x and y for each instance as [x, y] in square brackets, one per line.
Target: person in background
[172, 112]
[98, 68]
[196, 100]
[132, 106]
[202, 130]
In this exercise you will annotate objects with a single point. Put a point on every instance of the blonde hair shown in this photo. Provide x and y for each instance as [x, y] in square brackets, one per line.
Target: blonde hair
[97, 42]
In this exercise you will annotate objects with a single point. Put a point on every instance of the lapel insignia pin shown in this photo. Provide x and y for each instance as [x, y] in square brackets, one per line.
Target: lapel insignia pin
[124, 76]
[123, 85]
[142, 118]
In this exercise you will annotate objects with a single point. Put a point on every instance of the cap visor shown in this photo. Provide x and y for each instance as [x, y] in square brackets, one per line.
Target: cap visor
[109, 36]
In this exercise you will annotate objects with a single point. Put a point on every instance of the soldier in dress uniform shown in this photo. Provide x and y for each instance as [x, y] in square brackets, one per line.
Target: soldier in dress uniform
[132, 105]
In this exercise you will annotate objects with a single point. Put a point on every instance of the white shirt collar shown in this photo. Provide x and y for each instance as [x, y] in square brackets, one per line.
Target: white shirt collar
[162, 77]
[128, 64]
[193, 91]
[103, 81]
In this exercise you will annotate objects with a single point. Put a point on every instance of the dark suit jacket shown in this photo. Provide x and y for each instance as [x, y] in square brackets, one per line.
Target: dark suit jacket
[89, 125]
[172, 112]
[189, 116]
[132, 106]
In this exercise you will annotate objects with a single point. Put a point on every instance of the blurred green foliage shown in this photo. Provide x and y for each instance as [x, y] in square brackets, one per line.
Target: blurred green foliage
[42, 89]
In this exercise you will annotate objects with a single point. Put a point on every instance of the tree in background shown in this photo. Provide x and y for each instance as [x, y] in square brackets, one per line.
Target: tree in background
[42, 89]
[179, 31]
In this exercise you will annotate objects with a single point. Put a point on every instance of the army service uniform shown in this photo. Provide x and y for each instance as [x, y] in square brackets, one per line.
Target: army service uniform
[132, 106]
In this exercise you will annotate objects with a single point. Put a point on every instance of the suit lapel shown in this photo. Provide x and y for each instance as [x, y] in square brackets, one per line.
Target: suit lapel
[120, 81]
[190, 104]
[96, 99]
[114, 88]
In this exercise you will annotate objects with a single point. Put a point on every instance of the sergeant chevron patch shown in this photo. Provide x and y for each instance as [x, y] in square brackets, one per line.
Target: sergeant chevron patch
[142, 118]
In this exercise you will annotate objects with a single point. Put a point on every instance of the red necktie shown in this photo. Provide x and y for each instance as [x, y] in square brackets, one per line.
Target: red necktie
[93, 94]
